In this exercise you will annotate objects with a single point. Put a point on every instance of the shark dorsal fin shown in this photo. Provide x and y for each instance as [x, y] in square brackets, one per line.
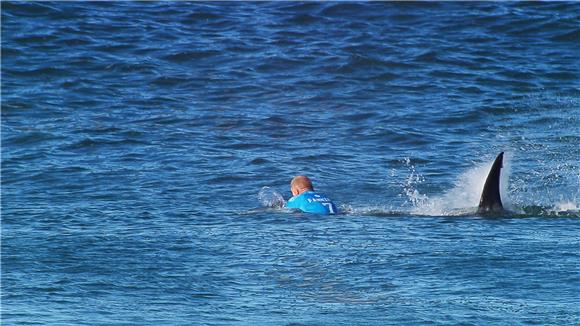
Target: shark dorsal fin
[490, 201]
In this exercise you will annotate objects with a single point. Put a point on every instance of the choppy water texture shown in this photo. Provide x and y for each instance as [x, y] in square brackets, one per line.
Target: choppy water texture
[137, 135]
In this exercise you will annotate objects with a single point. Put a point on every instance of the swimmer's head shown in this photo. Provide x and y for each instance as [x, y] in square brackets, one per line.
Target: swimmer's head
[300, 184]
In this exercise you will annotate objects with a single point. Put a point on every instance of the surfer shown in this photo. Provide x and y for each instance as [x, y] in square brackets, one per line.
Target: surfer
[307, 200]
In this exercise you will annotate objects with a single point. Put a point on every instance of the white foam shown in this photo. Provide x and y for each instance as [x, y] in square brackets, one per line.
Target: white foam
[369, 210]
[567, 206]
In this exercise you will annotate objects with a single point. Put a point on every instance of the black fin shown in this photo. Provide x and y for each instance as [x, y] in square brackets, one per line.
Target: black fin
[490, 201]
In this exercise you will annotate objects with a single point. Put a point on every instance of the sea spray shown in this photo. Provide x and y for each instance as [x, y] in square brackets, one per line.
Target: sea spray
[271, 198]
[544, 183]
[462, 199]
[564, 207]
[414, 197]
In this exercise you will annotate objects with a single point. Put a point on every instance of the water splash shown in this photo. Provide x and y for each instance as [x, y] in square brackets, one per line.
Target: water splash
[271, 198]
[520, 199]
[462, 199]
[567, 206]
[564, 208]
[409, 187]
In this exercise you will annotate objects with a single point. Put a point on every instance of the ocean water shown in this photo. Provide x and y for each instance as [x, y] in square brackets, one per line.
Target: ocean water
[136, 137]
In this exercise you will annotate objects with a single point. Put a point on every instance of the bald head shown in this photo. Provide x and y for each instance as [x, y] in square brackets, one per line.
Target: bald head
[300, 184]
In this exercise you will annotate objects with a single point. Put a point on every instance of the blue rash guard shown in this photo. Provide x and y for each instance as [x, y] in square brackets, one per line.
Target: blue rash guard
[312, 202]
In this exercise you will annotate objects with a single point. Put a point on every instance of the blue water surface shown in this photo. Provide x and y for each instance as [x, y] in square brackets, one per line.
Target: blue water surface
[136, 137]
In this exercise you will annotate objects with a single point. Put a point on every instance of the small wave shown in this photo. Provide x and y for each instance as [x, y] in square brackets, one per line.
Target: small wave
[276, 64]
[357, 62]
[161, 120]
[8, 51]
[200, 16]
[88, 143]
[73, 41]
[359, 116]
[259, 161]
[171, 80]
[37, 38]
[275, 119]
[299, 7]
[470, 90]
[242, 146]
[227, 179]
[190, 55]
[451, 74]
[327, 157]
[303, 19]
[572, 36]
[112, 47]
[30, 138]
[131, 67]
[42, 71]
[488, 81]
[429, 57]
[562, 75]
[343, 9]
[404, 17]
